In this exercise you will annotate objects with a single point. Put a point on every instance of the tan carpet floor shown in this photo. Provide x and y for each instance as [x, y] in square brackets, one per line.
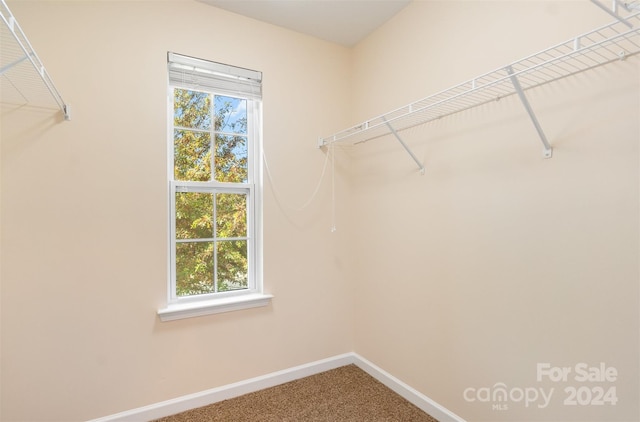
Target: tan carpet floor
[343, 394]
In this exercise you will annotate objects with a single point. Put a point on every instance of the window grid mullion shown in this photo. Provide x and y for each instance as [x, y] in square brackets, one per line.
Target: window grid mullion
[211, 239]
[214, 226]
[214, 223]
[212, 136]
[208, 187]
[191, 129]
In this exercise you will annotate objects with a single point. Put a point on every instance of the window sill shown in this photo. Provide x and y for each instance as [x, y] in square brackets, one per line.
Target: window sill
[195, 309]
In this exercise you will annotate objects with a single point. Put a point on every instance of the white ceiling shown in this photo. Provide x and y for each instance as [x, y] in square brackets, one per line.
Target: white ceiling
[344, 22]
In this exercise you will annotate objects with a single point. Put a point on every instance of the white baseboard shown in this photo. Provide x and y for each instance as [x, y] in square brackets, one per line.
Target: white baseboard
[214, 395]
[408, 393]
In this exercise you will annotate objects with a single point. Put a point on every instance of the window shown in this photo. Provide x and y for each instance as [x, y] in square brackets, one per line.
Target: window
[214, 125]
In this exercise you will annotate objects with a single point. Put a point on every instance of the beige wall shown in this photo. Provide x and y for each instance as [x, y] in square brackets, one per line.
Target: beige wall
[84, 217]
[493, 261]
[496, 259]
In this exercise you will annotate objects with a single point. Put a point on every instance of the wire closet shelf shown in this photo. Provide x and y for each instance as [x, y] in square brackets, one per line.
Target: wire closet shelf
[612, 42]
[24, 79]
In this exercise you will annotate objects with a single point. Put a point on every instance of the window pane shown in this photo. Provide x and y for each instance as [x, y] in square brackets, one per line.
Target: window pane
[191, 109]
[194, 268]
[231, 159]
[232, 265]
[231, 215]
[192, 155]
[231, 115]
[194, 215]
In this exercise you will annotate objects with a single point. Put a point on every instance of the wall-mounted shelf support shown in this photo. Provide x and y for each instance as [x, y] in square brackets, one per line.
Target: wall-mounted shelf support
[24, 78]
[406, 148]
[8, 67]
[548, 151]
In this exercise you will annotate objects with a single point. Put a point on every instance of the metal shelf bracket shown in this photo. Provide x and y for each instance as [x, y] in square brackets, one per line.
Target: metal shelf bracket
[8, 67]
[548, 150]
[404, 145]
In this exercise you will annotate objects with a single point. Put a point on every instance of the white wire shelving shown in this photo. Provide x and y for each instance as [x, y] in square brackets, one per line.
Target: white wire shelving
[613, 42]
[24, 79]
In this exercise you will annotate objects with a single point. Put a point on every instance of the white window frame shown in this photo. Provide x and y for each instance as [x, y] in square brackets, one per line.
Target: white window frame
[222, 84]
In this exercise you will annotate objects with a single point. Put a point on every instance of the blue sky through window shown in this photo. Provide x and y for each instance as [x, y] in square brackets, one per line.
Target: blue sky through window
[232, 113]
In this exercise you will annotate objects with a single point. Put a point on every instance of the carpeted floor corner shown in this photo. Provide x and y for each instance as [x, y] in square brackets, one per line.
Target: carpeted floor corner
[343, 394]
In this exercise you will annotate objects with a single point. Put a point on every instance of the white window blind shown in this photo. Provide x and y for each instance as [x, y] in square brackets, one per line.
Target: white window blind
[192, 73]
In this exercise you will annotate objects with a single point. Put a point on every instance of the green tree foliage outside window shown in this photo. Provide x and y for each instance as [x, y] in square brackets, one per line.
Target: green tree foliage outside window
[210, 145]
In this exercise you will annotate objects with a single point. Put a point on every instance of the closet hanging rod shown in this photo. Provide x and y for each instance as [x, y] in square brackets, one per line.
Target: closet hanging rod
[600, 46]
[19, 51]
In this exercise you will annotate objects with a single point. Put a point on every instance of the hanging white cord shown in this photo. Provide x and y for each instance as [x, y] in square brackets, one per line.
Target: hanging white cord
[333, 187]
[277, 194]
